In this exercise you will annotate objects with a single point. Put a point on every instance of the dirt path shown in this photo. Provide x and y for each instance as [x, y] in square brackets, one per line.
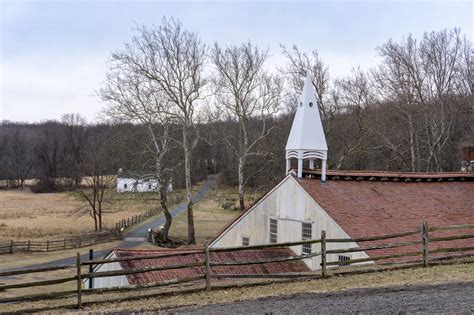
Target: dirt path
[455, 298]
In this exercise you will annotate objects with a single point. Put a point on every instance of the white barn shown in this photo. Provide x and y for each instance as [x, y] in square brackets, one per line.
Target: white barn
[351, 204]
[131, 182]
[344, 204]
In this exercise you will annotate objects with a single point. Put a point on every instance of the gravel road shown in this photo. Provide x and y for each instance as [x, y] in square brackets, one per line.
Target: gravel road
[454, 298]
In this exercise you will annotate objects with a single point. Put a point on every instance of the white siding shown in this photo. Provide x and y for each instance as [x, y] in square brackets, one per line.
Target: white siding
[116, 281]
[132, 185]
[291, 205]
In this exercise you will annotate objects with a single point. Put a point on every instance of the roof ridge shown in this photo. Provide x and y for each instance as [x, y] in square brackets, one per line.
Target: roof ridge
[377, 174]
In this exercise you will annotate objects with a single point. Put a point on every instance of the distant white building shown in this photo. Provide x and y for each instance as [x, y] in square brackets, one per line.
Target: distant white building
[131, 182]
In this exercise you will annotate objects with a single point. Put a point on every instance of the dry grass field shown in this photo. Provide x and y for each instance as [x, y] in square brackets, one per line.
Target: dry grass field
[209, 215]
[25, 215]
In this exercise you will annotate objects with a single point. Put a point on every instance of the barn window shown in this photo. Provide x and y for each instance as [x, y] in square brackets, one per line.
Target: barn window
[273, 230]
[343, 260]
[245, 241]
[306, 234]
[124, 186]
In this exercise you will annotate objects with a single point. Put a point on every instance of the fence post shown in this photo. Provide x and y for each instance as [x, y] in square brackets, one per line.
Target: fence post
[29, 244]
[150, 236]
[79, 282]
[47, 245]
[207, 267]
[91, 268]
[426, 241]
[11, 247]
[323, 254]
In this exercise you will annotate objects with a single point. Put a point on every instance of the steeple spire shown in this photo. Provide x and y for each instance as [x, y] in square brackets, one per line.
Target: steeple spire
[307, 140]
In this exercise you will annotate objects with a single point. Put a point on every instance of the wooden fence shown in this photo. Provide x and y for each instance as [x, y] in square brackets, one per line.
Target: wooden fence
[12, 246]
[421, 240]
[121, 225]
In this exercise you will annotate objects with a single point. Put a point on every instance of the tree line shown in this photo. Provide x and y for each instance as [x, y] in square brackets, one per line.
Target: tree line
[180, 109]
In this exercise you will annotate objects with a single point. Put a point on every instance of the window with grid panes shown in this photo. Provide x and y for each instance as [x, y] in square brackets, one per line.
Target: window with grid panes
[342, 260]
[306, 234]
[245, 241]
[273, 230]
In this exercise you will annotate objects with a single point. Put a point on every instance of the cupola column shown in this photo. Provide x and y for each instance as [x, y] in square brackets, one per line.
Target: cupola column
[323, 171]
[300, 164]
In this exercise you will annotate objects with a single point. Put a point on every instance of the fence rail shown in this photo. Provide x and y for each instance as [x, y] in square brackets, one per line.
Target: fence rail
[139, 218]
[12, 246]
[121, 225]
[421, 251]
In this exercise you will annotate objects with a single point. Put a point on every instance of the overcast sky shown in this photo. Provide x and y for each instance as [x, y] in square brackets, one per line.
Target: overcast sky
[54, 53]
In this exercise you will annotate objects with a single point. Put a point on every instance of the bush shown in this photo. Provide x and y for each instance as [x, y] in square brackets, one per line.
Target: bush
[45, 185]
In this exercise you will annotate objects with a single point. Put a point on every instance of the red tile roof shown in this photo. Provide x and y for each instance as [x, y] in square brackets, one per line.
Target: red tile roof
[364, 208]
[363, 203]
[158, 276]
[371, 208]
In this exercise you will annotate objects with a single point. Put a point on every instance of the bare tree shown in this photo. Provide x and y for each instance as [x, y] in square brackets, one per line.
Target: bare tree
[75, 141]
[49, 154]
[96, 180]
[421, 81]
[245, 91]
[138, 99]
[353, 96]
[300, 65]
[174, 57]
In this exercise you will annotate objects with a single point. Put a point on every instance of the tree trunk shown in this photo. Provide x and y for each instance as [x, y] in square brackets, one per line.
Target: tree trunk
[241, 184]
[100, 219]
[412, 143]
[187, 174]
[164, 206]
[95, 221]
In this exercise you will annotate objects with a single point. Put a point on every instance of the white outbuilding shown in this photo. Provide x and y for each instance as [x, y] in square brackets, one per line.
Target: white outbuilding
[136, 182]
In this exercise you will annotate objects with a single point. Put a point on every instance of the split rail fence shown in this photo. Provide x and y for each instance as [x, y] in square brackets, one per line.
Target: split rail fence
[424, 247]
[12, 246]
[121, 225]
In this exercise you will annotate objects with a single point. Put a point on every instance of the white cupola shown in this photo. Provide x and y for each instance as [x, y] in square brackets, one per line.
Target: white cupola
[307, 140]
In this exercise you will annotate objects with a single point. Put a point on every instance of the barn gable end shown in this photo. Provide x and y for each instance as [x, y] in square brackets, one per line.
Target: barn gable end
[291, 206]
